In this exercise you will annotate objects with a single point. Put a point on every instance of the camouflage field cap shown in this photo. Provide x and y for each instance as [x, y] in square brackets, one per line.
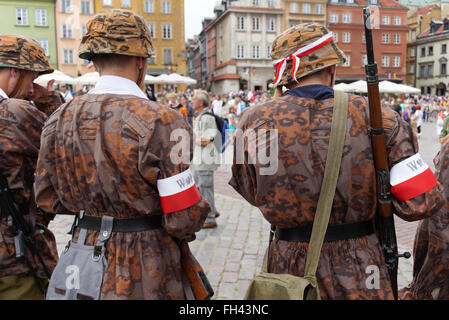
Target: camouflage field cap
[119, 32]
[303, 49]
[23, 53]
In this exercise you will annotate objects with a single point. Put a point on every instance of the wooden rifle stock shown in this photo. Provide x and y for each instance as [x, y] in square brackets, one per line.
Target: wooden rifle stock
[384, 216]
[202, 290]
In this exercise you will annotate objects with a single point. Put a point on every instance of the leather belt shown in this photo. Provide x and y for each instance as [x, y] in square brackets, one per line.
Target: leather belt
[335, 232]
[122, 225]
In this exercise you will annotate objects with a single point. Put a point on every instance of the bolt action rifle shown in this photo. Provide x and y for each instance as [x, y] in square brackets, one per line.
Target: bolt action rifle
[202, 290]
[384, 220]
[9, 209]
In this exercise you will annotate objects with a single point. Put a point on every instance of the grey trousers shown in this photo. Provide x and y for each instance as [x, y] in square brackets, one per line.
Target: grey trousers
[204, 180]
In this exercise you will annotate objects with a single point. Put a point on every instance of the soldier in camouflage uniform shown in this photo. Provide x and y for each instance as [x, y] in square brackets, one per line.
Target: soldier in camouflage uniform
[21, 61]
[431, 247]
[109, 152]
[288, 198]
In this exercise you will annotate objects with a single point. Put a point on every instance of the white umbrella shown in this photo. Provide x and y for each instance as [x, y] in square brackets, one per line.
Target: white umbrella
[164, 78]
[342, 87]
[359, 86]
[178, 79]
[89, 78]
[150, 79]
[388, 87]
[408, 89]
[56, 75]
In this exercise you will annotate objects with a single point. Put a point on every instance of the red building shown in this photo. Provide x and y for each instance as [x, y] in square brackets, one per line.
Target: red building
[345, 19]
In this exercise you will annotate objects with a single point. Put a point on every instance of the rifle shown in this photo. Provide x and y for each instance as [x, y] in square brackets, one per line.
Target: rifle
[202, 290]
[384, 220]
[24, 232]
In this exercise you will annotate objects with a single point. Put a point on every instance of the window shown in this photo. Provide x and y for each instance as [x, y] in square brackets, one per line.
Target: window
[413, 52]
[107, 3]
[385, 61]
[22, 16]
[166, 31]
[349, 1]
[256, 52]
[65, 6]
[397, 20]
[68, 56]
[306, 8]
[166, 8]
[385, 38]
[270, 3]
[334, 1]
[412, 68]
[126, 3]
[85, 7]
[396, 61]
[423, 52]
[256, 3]
[240, 51]
[364, 60]
[319, 8]
[41, 17]
[443, 68]
[240, 23]
[152, 60]
[168, 56]
[413, 34]
[347, 62]
[347, 18]
[67, 31]
[271, 24]
[256, 24]
[346, 37]
[430, 51]
[422, 71]
[149, 6]
[386, 20]
[335, 34]
[430, 70]
[44, 44]
[83, 30]
[397, 38]
[269, 52]
[152, 28]
[334, 18]
[373, 1]
[443, 48]
[294, 8]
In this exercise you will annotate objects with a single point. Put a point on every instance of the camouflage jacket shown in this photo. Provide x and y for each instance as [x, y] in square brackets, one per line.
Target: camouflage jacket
[288, 197]
[20, 131]
[49, 102]
[431, 247]
[103, 153]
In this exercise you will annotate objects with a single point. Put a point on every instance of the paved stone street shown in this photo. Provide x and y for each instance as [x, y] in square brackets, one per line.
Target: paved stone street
[232, 253]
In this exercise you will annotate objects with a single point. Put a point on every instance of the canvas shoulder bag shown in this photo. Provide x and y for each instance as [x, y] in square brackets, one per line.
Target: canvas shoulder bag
[270, 286]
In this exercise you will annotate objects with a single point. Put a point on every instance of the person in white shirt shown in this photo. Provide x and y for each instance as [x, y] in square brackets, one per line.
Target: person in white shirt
[67, 95]
[217, 105]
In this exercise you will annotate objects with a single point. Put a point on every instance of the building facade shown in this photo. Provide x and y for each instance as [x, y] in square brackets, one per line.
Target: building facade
[244, 32]
[432, 59]
[166, 21]
[71, 19]
[345, 20]
[303, 11]
[34, 19]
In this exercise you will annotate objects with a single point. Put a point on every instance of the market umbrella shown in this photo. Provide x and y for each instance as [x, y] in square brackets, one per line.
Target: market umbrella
[359, 86]
[342, 87]
[56, 75]
[89, 78]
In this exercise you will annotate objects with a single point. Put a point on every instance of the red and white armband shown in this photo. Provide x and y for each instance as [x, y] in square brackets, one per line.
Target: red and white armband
[178, 192]
[411, 177]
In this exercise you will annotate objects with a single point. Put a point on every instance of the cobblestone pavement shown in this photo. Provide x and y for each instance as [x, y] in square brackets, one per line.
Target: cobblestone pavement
[233, 252]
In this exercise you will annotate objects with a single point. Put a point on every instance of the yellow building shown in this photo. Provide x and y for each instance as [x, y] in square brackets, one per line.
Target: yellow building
[303, 11]
[166, 21]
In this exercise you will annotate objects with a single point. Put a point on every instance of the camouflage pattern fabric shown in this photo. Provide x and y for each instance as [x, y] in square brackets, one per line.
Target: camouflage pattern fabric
[298, 37]
[288, 198]
[431, 247]
[104, 154]
[20, 131]
[119, 32]
[23, 53]
[49, 102]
